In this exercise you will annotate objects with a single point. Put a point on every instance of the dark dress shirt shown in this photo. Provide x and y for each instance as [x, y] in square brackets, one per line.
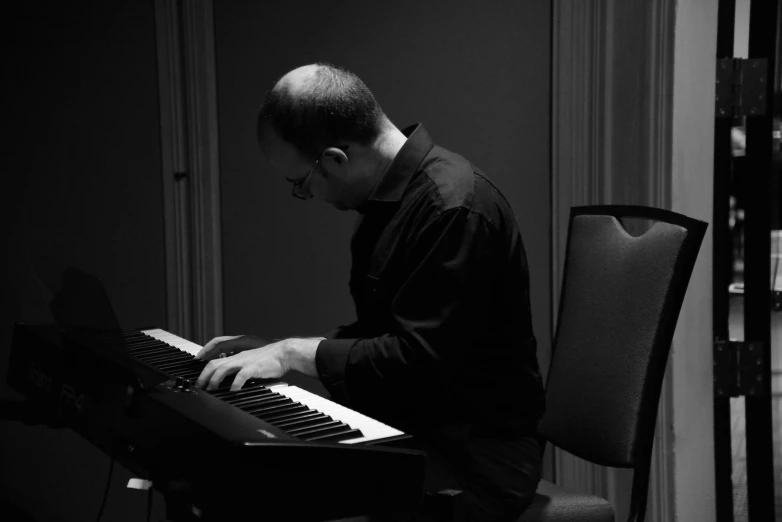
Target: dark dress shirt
[440, 282]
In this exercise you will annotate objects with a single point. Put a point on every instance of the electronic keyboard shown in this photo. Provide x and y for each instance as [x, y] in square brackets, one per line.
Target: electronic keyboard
[270, 450]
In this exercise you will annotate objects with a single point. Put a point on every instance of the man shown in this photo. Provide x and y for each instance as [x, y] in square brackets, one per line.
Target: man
[442, 347]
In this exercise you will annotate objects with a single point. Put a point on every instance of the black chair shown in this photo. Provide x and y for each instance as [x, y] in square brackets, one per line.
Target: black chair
[620, 301]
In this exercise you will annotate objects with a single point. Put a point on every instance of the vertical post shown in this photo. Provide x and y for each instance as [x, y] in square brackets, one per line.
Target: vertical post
[722, 274]
[763, 31]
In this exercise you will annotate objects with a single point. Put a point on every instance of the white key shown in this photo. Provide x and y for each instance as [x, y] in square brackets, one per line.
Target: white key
[173, 340]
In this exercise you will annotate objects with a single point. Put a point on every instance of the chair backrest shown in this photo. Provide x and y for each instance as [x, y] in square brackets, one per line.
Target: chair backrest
[620, 301]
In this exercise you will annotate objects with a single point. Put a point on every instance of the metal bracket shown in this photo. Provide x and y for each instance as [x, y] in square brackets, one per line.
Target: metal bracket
[738, 369]
[741, 87]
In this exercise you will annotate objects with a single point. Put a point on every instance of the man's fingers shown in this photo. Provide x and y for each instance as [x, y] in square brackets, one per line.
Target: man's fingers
[206, 373]
[240, 379]
[213, 373]
[222, 371]
[216, 346]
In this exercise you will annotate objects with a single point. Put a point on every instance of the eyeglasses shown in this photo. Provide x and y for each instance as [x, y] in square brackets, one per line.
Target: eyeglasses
[298, 184]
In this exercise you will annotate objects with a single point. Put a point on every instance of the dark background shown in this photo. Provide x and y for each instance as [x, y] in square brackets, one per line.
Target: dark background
[82, 178]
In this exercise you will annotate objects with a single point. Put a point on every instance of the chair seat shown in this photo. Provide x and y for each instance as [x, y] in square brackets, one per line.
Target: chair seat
[555, 504]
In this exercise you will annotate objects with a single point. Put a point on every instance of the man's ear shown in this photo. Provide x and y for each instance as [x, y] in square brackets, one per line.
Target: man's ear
[335, 156]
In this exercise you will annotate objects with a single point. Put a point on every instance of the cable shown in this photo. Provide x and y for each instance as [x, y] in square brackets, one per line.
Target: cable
[106, 492]
[777, 241]
[149, 504]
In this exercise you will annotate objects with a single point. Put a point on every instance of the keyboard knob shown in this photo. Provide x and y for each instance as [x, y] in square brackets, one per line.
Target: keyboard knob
[179, 383]
[187, 386]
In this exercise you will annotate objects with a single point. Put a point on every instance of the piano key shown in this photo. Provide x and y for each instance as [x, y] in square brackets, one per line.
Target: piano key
[191, 364]
[244, 392]
[186, 374]
[261, 400]
[159, 350]
[336, 430]
[317, 427]
[371, 428]
[282, 406]
[307, 420]
[142, 345]
[175, 341]
[153, 347]
[165, 358]
[253, 397]
[336, 437]
[139, 344]
[136, 341]
[265, 400]
[294, 413]
[267, 405]
[224, 389]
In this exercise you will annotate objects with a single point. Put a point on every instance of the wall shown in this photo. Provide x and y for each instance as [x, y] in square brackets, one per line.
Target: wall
[475, 73]
[82, 183]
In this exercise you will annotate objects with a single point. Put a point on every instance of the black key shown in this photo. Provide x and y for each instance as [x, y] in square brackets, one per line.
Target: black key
[319, 428]
[226, 386]
[260, 397]
[153, 351]
[130, 341]
[167, 364]
[338, 436]
[249, 399]
[146, 349]
[186, 374]
[170, 365]
[144, 345]
[270, 407]
[167, 360]
[308, 421]
[287, 416]
[298, 419]
[245, 392]
[222, 393]
[184, 365]
[282, 408]
[165, 357]
[266, 403]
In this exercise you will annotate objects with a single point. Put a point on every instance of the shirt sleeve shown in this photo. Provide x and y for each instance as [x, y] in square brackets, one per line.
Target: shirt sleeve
[437, 312]
[344, 332]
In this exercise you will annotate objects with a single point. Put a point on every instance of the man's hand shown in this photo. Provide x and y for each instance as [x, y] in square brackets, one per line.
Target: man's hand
[271, 361]
[229, 345]
[266, 362]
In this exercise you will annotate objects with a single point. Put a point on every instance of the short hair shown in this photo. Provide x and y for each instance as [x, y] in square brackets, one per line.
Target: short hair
[335, 107]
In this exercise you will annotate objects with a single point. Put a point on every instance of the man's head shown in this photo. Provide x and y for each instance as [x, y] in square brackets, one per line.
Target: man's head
[323, 129]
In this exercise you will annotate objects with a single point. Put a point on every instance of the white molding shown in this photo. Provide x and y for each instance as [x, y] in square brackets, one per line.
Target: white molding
[580, 143]
[188, 113]
[584, 151]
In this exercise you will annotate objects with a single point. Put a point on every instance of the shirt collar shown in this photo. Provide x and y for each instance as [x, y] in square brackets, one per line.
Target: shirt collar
[404, 165]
